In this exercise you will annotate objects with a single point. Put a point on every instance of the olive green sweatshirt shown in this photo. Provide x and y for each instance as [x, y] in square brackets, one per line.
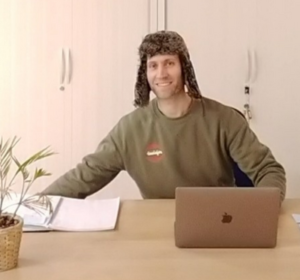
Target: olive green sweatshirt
[160, 153]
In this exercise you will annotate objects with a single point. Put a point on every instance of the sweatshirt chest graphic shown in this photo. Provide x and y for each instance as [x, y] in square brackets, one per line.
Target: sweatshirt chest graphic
[154, 153]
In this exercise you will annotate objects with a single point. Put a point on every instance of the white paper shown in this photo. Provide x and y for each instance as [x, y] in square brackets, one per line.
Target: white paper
[33, 221]
[297, 219]
[86, 215]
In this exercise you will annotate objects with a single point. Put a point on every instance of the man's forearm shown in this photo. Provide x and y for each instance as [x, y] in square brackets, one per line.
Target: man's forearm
[274, 177]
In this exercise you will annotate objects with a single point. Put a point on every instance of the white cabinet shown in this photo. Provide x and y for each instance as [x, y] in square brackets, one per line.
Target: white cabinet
[218, 34]
[32, 34]
[93, 46]
[276, 98]
[106, 36]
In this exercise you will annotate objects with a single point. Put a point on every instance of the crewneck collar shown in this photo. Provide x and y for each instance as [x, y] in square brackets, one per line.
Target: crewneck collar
[192, 109]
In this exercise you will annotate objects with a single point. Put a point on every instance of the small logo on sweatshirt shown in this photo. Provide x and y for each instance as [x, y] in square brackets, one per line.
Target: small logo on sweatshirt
[154, 153]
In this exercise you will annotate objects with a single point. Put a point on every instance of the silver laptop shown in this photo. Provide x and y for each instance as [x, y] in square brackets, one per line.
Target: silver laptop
[226, 217]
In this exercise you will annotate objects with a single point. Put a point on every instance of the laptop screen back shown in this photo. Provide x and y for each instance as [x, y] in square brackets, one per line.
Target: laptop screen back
[226, 217]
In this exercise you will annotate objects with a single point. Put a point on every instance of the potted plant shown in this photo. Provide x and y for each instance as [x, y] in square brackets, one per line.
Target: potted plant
[11, 224]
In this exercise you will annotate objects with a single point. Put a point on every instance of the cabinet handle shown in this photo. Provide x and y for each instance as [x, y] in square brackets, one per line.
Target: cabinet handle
[253, 66]
[62, 66]
[248, 67]
[69, 66]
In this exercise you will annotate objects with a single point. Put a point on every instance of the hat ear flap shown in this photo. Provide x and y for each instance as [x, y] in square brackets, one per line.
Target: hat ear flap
[190, 77]
[191, 81]
[142, 88]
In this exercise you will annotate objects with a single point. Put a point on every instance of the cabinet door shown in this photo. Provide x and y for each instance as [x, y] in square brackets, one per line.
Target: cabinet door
[217, 34]
[275, 95]
[106, 36]
[32, 107]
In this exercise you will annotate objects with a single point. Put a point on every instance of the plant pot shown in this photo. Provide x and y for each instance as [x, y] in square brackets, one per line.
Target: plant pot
[10, 241]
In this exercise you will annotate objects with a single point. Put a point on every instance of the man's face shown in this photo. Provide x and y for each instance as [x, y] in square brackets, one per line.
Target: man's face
[164, 75]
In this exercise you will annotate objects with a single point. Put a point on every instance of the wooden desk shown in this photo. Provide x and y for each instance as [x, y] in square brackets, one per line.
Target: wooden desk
[142, 247]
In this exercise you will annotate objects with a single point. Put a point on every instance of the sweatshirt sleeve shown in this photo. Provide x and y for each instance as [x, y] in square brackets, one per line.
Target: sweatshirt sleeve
[253, 157]
[92, 174]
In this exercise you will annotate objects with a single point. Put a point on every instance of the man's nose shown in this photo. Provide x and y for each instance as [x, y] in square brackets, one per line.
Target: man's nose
[162, 72]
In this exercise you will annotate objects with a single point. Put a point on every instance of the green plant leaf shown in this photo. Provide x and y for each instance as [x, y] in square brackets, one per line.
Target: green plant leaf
[40, 173]
[38, 203]
[6, 149]
[7, 192]
[6, 167]
[38, 156]
[21, 168]
[6, 159]
[6, 156]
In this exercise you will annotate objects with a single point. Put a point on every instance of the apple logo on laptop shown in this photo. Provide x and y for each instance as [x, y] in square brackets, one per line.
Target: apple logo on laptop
[226, 218]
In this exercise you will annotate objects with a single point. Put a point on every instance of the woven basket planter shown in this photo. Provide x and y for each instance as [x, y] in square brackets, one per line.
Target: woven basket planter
[10, 241]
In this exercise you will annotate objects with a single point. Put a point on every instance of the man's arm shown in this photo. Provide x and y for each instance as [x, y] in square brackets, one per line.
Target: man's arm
[254, 158]
[92, 174]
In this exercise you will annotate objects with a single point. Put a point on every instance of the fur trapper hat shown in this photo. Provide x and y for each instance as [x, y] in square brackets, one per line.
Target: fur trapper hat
[163, 42]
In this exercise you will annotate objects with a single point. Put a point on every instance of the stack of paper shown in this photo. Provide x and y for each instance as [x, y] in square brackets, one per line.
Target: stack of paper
[297, 219]
[33, 220]
[69, 214]
[85, 215]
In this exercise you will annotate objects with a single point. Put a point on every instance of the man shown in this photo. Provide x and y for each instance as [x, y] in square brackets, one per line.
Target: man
[180, 138]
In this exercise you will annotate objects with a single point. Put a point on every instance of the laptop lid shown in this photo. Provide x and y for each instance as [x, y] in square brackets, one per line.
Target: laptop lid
[226, 217]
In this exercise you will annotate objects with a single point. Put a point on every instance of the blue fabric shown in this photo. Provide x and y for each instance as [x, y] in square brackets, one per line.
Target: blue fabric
[241, 179]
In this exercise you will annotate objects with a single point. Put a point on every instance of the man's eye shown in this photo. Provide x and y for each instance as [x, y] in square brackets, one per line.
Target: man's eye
[171, 63]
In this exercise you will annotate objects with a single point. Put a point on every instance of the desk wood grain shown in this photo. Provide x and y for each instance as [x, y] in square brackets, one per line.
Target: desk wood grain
[142, 247]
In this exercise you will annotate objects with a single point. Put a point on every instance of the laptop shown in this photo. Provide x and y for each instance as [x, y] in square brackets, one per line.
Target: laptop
[226, 217]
